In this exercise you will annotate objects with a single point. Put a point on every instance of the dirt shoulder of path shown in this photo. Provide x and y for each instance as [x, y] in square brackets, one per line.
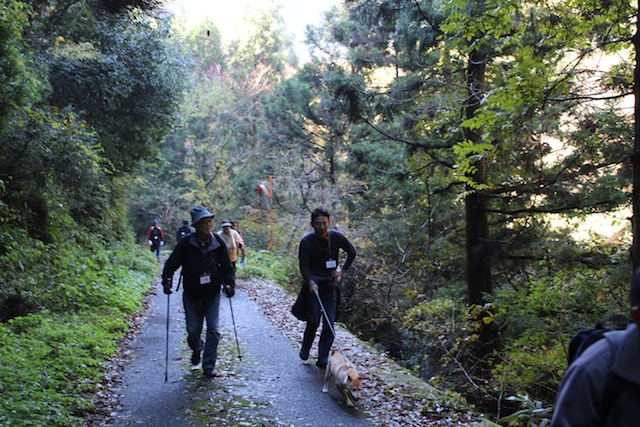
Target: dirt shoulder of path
[392, 396]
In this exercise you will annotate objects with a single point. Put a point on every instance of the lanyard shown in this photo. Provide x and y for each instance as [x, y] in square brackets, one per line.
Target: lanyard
[328, 243]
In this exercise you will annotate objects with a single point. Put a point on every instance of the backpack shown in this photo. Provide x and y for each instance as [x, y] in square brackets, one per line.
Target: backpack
[584, 338]
[155, 233]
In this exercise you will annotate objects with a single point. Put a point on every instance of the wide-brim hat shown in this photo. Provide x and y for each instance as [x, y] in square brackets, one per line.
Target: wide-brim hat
[198, 213]
[226, 224]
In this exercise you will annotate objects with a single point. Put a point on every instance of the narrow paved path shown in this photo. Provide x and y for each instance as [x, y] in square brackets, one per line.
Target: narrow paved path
[268, 386]
[145, 398]
[275, 374]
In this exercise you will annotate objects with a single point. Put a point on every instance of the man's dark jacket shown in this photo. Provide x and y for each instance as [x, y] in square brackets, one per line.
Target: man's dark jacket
[313, 258]
[183, 231]
[197, 260]
[601, 388]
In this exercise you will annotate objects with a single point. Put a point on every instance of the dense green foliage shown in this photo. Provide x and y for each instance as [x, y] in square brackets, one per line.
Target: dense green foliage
[88, 88]
[461, 145]
[80, 300]
[267, 265]
[84, 104]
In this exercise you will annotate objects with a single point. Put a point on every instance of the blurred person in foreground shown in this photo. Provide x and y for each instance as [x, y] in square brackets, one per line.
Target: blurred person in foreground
[602, 386]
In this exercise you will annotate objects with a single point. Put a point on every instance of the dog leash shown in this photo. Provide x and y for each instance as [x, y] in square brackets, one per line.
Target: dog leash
[326, 317]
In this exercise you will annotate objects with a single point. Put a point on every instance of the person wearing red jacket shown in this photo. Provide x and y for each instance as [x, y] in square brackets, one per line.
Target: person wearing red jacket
[155, 235]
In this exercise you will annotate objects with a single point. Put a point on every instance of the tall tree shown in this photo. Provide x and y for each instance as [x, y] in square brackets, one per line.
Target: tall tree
[309, 114]
[503, 108]
[215, 155]
[19, 84]
[126, 82]
[107, 83]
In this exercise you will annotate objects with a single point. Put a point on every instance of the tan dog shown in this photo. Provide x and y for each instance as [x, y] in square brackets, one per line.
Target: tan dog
[344, 375]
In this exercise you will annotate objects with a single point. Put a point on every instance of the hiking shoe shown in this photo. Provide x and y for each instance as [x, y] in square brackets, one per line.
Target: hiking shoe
[209, 373]
[304, 355]
[321, 365]
[195, 358]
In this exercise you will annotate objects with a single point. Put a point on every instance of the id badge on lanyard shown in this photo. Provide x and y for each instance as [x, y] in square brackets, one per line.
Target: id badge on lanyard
[205, 279]
[330, 264]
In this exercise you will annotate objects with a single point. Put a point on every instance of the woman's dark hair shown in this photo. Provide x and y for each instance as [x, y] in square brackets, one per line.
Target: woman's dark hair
[318, 212]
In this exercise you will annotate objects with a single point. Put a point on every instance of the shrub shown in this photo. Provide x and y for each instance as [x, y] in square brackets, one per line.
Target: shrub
[53, 361]
[270, 266]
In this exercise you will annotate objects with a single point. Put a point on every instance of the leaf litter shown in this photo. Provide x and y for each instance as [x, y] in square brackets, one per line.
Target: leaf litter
[391, 395]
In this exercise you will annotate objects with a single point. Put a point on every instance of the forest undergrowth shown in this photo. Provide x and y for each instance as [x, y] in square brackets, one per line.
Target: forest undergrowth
[65, 310]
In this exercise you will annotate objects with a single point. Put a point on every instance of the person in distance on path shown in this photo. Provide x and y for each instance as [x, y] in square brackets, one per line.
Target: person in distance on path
[155, 235]
[233, 241]
[206, 268]
[318, 256]
[602, 386]
[235, 226]
[183, 231]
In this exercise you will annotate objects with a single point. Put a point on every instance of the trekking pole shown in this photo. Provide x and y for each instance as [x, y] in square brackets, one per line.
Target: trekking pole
[233, 320]
[166, 356]
[166, 353]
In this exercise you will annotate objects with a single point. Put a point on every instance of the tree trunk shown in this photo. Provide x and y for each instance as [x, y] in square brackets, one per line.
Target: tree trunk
[479, 252]
[478, 259]
[477, 226]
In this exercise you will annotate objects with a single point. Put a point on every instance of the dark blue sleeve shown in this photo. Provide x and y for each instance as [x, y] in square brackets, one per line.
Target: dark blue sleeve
[175, 260]
[347, 246]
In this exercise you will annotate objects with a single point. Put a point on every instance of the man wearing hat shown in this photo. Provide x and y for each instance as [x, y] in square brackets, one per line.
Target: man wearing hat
[205, 269]
[233, 242]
